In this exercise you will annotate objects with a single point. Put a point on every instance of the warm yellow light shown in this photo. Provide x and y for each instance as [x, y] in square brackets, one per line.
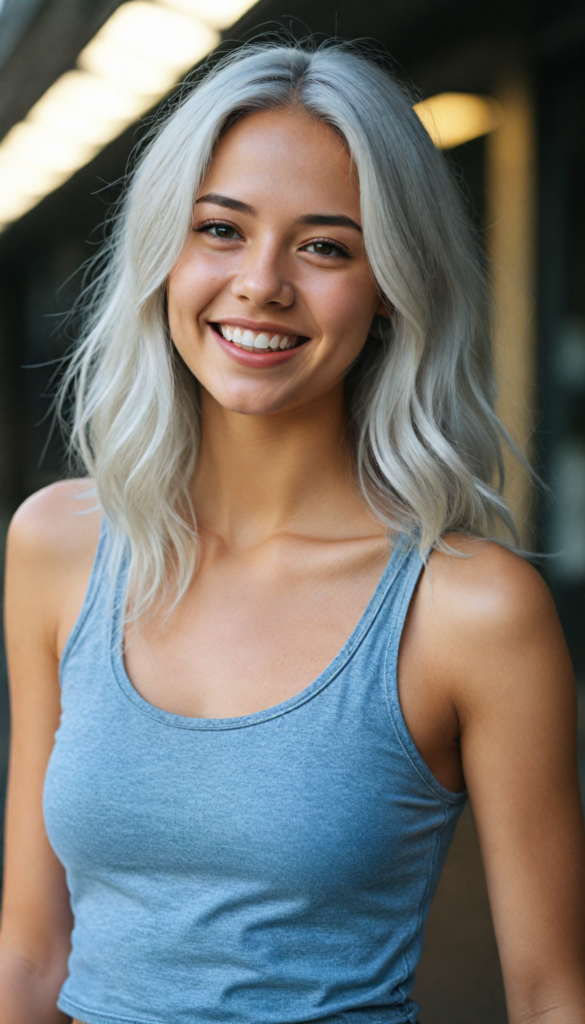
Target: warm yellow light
[218, 13]
[452, 118]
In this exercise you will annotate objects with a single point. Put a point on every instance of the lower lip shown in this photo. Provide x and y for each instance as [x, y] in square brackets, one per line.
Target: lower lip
[258, 358]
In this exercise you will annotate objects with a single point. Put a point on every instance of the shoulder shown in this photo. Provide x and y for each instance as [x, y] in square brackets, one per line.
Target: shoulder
[485, 586]
[50, 550]
[484, 618]
[61, 521]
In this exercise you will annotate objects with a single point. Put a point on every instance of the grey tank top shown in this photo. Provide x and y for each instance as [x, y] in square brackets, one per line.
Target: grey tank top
[275, 868]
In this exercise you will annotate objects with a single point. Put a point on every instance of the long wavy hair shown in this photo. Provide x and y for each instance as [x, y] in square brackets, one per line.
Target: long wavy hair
[427, 442]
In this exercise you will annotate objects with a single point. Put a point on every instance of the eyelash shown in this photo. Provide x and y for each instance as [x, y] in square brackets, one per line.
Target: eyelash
[339, 249]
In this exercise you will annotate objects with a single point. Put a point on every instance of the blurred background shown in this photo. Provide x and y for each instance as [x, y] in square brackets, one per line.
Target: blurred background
[502, 90]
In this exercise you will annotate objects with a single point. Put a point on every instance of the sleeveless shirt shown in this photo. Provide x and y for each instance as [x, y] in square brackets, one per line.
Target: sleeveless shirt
[274, 868]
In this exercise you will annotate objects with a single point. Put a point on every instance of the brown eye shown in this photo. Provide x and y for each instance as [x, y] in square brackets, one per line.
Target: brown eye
[223, 231]
[217, 229]
[322, 247]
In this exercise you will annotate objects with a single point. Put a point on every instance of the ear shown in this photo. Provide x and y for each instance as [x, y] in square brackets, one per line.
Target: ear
[384, 309]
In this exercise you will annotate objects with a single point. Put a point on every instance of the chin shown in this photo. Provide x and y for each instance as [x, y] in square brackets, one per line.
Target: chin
[252, 404]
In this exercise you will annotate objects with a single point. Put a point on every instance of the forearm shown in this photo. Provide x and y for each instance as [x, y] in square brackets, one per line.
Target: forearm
[28, 995]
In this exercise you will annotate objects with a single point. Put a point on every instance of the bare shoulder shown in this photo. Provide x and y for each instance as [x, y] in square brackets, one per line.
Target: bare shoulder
[59, 522]
[51, 546]
[485, 586]
[486, 621]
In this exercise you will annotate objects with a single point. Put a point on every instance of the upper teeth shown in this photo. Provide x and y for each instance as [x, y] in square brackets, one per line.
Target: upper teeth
[253, 339]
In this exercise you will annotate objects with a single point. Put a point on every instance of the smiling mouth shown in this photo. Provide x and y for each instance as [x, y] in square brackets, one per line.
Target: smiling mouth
[258, 341]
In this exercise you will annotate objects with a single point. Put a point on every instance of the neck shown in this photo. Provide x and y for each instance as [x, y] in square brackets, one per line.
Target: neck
[262, 475]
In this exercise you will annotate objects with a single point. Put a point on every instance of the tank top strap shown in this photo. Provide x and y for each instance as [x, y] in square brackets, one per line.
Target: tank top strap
[408, 567]
[401, 594]
[397, 586]
[98, 582]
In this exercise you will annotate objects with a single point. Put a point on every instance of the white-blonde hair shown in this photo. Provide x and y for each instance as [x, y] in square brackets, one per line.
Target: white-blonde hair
[427, 441]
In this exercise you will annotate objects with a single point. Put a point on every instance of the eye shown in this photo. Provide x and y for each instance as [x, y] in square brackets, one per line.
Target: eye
[323, 247]
[219, 229]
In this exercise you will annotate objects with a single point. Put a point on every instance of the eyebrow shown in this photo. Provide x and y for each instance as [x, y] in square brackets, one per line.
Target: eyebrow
[225, 201]
[336, 220]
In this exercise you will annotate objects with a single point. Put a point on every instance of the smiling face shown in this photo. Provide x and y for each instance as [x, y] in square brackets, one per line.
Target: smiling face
[273, 297]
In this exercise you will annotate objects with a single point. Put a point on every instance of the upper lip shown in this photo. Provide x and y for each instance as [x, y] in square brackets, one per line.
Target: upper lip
[258, 326]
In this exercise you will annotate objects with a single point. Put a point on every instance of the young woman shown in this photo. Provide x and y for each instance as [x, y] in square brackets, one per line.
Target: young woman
[269, 712]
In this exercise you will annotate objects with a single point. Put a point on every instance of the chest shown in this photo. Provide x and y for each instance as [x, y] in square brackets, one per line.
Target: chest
[318, 795]
[251, 634]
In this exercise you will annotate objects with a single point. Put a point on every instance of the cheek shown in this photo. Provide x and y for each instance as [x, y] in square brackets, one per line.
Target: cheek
[192, 285]
[347, 307]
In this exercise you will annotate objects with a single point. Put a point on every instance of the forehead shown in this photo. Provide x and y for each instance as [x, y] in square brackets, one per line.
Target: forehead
[287, 155]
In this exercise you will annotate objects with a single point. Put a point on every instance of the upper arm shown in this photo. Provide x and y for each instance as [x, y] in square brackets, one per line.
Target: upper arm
[41, 548]
[513, 688]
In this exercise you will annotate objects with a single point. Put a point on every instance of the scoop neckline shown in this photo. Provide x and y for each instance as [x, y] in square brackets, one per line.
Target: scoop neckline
[169, 718]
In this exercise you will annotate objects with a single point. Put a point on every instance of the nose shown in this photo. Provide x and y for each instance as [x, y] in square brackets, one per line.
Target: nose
[262, 279]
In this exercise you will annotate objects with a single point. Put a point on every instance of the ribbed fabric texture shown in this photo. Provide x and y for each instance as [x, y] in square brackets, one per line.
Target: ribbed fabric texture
[275, 868]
